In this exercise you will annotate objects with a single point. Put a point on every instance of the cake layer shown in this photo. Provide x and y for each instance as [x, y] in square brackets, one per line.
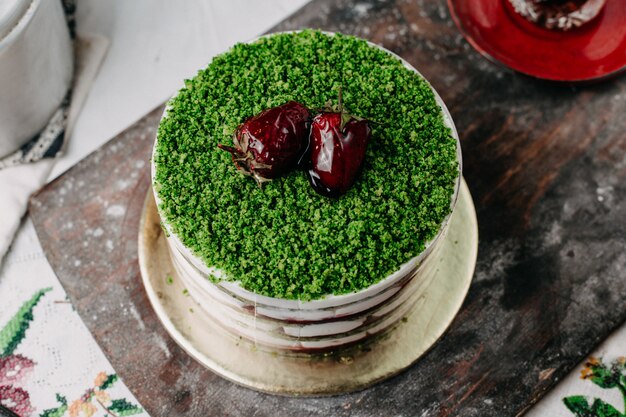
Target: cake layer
[349, 320]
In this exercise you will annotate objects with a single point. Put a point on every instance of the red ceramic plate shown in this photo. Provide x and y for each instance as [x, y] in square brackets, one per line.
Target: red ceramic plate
[596, 50]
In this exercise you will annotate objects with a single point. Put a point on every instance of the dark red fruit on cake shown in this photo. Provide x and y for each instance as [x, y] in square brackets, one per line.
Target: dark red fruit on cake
[271, 143]
[338, 143]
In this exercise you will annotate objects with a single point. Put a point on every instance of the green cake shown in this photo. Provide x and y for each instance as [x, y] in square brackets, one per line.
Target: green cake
[284, 240]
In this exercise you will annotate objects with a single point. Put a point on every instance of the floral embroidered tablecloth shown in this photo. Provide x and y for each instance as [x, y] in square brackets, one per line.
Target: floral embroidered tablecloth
[595, 388]
[50, 366]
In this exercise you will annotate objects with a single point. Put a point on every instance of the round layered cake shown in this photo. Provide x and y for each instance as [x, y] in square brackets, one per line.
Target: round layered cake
[282, 266]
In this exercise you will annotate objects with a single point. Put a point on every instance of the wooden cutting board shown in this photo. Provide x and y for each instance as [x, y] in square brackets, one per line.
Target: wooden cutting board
[546, 166]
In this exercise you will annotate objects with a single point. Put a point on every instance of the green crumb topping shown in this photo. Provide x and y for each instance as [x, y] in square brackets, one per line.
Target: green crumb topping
[285, 240]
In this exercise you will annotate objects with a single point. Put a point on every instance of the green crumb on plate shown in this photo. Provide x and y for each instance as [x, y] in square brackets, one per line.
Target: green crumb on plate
[169, 280]
[285, 240]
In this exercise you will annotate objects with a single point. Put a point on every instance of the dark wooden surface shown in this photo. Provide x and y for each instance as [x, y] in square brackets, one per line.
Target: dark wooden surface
[546, 165]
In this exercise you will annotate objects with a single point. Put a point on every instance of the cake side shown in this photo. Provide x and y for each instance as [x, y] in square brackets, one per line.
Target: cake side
[285, 240]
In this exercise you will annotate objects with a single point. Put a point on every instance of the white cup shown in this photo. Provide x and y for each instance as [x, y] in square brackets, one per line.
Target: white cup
[36, 68]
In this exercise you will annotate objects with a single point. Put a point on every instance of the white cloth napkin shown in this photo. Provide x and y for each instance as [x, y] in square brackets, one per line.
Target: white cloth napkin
[17, 183]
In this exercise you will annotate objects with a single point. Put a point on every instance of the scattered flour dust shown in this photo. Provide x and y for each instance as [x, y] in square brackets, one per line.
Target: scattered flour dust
[116, 211]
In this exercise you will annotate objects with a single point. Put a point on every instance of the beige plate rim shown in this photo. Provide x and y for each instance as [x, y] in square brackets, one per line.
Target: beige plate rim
[347, 371]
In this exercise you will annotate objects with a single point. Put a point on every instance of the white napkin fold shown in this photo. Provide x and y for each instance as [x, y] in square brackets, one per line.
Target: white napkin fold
[17, 183]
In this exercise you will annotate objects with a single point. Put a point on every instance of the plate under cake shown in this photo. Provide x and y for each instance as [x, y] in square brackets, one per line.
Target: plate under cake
[345, 370]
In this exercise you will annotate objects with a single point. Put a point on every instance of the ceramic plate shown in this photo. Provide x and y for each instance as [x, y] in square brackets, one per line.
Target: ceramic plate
[594, 51]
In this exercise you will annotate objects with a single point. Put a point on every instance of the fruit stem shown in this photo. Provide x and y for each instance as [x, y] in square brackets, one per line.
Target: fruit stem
[340, 100]
[345, 117]
[229, 149]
